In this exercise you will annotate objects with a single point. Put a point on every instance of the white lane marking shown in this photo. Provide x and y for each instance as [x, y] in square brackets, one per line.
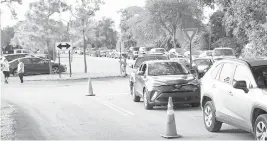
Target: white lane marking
[121, 112]
[116, 108]
[126, 111]
[117, 94]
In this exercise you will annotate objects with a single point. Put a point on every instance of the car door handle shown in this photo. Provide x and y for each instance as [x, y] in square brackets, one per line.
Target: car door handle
[230, 93]
[213, 86]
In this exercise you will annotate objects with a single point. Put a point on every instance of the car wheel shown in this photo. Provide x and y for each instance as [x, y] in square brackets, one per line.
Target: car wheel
[195, 104]
[146, 103]
[210, 121]
[55, 69]
[260, 128]
[135, 98]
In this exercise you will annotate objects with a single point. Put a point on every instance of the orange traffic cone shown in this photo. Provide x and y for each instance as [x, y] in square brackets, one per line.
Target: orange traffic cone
[170, 128]
[90, 88]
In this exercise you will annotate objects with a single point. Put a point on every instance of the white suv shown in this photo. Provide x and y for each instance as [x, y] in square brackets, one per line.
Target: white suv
[235, 92]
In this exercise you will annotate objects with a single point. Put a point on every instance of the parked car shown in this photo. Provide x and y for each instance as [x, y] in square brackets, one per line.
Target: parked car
[234, 92]
[220, 53]
[11, 57]
[156, 81]
[35, 65]
[133, 53]
[186, 62]
[144, 51]
[202, 65]
[103, 53]
[158, 51]
[206, 54]
[176, 53]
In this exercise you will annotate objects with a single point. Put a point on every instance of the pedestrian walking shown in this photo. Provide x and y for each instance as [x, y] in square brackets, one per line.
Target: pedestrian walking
[124, 64]
[5, 69]
[20, 70]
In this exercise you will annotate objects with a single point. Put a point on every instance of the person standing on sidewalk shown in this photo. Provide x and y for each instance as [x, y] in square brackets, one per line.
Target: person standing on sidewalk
[21, 70]
[5, 69]
[124, 65]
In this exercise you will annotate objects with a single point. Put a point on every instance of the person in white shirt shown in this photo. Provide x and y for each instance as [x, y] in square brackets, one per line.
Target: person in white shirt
[20, 70]
[5, 69]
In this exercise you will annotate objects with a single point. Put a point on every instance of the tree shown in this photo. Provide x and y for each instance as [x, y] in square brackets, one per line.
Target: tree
[6, 35]
[39, 28]
[83, 12]
[217, 26]
[106, 33]
[246, 21]
[173, 15]
[9, 4]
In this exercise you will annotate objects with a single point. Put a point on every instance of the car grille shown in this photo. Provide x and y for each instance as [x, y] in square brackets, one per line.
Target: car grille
[175, 99]
[179, 88]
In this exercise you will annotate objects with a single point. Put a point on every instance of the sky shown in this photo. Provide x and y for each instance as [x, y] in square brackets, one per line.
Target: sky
[109, 9]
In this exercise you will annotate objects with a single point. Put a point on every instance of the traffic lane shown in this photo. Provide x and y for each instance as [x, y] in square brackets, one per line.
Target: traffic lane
[65, 113]
[115, 97]
[188, 119]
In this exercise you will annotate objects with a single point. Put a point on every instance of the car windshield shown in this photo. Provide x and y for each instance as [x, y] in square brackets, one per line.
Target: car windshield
[260, 73]
[202, 62]
[223, 52]
[140, 60]
[166, 68]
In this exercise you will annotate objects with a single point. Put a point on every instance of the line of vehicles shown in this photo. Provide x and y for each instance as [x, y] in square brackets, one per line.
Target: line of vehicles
[231, 91]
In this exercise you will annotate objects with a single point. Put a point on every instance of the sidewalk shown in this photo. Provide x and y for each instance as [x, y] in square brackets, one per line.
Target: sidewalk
[66, 76]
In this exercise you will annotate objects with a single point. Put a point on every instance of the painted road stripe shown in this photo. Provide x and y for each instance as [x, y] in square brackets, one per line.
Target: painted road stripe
[126, 111]
[116, 108]
[121, 112]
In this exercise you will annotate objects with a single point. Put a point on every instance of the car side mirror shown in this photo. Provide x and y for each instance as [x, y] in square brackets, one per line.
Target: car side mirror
[241, 85]
[141, 73]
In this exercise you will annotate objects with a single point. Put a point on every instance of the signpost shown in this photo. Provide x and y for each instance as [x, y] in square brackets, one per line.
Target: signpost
[64, 46]
[190, 34]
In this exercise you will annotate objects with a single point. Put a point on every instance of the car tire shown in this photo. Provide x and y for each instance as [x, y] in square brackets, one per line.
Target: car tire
[195, 104]
[260, 127]
[147, 105]
[55, 69]
[135, 98]
[209, 117]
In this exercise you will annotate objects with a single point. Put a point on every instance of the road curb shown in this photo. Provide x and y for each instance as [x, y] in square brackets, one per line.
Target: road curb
[82, 78]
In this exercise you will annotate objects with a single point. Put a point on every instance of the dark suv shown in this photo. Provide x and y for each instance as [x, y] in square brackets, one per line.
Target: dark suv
[235, 92]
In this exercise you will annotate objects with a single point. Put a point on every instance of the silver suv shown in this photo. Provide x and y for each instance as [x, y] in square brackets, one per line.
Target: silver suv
[235, 92]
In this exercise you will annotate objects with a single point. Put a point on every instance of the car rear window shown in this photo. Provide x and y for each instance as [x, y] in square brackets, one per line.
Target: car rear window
[140, 60]
[260, 74]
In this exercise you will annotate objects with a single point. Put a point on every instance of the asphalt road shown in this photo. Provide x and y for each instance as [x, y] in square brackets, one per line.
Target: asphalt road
[60, 110]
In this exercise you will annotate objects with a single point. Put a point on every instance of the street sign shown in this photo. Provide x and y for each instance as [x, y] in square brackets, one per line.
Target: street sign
[63, 46]
[190, 33]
